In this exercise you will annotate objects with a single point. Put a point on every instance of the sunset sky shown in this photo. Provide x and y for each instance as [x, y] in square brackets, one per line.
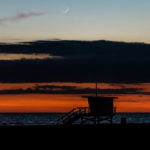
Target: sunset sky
[127, 102]
[52, 52]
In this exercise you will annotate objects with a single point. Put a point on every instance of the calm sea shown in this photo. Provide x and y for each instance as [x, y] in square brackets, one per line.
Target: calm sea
[50, 119]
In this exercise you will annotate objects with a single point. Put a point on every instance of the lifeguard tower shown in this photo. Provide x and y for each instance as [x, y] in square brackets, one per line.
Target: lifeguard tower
[100, 109]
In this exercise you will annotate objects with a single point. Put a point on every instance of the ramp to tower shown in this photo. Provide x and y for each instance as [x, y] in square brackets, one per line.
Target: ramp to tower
[72, 116]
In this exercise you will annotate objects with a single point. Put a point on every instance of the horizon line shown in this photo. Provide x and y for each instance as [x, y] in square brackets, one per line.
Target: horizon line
[73, 40]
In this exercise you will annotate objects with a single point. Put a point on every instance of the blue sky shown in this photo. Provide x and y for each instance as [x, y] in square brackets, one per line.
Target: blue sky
[121, 20]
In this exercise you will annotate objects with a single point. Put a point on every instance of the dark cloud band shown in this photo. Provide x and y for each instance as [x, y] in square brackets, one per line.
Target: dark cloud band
[83, 61]
[71, 90]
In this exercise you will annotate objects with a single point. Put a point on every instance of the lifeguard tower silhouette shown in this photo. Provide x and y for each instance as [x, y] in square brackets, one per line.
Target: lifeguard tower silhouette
[100, 109]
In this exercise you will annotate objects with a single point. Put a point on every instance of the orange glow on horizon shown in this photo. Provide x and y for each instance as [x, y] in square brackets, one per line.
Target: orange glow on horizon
[65, 102]
[62, 103]
[40, 103]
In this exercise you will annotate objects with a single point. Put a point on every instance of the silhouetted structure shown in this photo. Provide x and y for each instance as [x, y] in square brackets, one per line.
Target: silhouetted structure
[100, 109]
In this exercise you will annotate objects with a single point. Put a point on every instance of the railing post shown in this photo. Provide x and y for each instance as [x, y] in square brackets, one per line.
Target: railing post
[115, 110]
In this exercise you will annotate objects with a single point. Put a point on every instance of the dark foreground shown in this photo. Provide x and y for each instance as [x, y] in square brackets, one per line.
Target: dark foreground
[74, 137]
[61, 131]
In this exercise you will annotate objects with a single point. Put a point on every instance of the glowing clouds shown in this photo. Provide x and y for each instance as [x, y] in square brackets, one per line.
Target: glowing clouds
[4, 56]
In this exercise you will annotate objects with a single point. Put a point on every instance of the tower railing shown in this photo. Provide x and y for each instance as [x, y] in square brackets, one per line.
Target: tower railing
[73, 113]
[80, 112]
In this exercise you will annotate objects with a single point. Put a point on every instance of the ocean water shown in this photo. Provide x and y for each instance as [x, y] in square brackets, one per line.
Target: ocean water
[51, 119]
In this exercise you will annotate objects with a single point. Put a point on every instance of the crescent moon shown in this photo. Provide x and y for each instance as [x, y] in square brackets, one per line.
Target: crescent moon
[67, 10]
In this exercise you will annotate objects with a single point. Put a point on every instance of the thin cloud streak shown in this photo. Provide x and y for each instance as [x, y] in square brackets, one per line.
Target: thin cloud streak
[19, 17]
[5, 56]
